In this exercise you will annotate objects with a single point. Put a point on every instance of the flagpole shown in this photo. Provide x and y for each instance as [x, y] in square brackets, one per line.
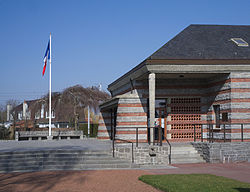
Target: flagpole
[88, 122]
[50, 86]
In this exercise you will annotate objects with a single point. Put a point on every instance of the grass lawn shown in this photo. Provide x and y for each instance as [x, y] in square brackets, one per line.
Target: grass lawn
[194, 182]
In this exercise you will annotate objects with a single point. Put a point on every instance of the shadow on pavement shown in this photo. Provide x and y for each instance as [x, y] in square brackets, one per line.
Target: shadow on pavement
[36, 181]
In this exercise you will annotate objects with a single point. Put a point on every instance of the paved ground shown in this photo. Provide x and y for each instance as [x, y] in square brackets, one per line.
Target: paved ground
[104, 181]
[110, 180]
[81, 144]
[237, 171]
[101, 180]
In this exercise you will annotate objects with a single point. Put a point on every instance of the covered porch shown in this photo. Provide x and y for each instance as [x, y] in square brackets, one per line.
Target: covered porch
[186, 106]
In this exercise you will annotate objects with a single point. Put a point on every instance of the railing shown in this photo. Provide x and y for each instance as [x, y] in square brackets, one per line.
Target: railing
[159, 140]
[212, 130]
[170, 151]
[125, 141]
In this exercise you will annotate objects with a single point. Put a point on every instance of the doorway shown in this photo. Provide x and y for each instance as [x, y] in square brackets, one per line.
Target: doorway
[161, 123]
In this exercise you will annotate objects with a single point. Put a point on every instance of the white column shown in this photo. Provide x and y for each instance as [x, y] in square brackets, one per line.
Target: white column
[151, 90]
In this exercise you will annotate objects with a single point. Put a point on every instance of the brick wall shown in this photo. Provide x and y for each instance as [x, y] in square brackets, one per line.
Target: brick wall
[131, 113]
[230, 91]
[104, 128]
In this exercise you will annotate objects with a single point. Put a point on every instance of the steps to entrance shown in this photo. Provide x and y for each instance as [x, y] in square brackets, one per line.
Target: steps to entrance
[27, 161]
[185, 153]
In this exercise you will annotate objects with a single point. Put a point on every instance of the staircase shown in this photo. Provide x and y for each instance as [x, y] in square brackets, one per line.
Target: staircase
[185, 153]
[26, 161]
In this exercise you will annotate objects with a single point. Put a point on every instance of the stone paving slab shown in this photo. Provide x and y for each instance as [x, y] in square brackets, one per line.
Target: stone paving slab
[75, 144]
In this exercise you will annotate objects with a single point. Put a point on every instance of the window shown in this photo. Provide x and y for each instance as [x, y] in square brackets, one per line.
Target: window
[42, 111]
[240, 42]
[28, 114]
[224, 117]
[37, 115]
[53, 114]
[20, 115]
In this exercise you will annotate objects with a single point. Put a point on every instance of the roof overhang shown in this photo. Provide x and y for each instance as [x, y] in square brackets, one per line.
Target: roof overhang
[113, 102]
[181, 66]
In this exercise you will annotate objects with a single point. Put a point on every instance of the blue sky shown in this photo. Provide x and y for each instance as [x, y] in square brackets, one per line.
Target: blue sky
[93, 41]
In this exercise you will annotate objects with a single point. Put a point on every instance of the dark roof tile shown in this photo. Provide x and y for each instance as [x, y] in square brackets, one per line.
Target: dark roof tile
[206, 42]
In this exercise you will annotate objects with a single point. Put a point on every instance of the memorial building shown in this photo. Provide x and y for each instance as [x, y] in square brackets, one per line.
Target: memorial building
[197, 82]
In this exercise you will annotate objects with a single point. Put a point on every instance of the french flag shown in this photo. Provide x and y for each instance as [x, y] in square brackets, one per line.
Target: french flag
[46, 57]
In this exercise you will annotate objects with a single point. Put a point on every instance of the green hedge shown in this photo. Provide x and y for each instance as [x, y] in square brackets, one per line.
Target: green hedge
[93, 129]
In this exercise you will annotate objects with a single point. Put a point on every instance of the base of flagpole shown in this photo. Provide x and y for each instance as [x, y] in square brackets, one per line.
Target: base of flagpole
[50, 137]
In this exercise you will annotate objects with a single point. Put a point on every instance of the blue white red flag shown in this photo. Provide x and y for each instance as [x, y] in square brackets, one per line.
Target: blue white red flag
[46, 57]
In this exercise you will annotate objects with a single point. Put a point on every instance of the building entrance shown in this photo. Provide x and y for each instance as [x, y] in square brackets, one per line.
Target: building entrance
[185, 115]
[161, 123]
[160, 119]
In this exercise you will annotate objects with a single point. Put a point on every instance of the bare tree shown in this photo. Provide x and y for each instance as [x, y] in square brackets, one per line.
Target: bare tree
[2, 113]
[69, 104]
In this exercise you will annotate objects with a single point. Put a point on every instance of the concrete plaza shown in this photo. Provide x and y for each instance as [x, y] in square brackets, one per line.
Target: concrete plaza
[76, 144]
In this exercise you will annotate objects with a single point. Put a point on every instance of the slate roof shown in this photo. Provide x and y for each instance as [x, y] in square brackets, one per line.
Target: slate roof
[20, 106]
[206, 42]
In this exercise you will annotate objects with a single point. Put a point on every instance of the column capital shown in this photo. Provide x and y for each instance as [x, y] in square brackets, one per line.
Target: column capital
[151, 75]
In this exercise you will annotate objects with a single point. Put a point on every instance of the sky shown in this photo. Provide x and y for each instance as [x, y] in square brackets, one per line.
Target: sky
[93, 41]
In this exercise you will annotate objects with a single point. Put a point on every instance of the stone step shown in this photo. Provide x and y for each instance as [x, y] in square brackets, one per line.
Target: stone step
[34, 155]
[184, 152]
[67, 167]
[183, 148]
[89, 156]
[54, 151]
[181, 145]
[53, 162]
[187, 162]
[71, 159]
[179, 156]
[187, 158]
[23, 161]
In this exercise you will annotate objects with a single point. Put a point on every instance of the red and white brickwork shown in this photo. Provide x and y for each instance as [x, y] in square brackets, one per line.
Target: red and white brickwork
[188, 102]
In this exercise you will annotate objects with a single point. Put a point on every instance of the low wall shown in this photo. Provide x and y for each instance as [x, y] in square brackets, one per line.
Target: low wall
[224, 152]
[143, 155]
[30, 135]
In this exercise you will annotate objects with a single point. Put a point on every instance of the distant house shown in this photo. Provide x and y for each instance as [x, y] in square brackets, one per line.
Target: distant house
[68, 108]
[196, 82]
